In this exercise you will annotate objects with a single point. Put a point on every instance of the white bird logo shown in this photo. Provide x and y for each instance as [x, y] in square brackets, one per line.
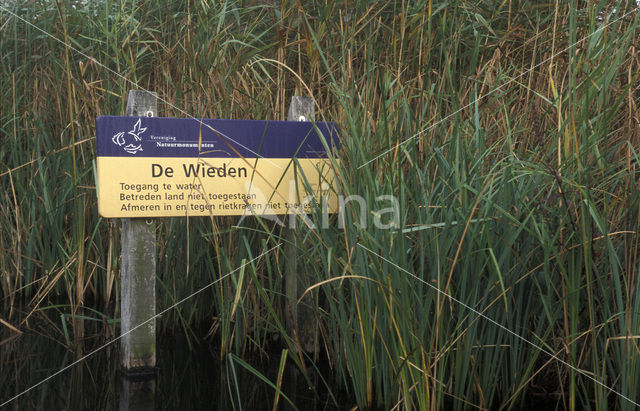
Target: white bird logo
[137, 130]
[131, 148]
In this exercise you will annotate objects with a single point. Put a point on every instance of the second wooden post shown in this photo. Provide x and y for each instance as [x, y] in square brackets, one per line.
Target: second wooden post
[300, 319]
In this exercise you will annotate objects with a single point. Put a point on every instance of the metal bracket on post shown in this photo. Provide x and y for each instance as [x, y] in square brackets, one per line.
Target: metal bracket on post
[300, 318]
[138, 274]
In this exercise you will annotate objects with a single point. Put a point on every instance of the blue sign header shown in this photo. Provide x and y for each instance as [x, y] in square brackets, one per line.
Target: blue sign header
[185, 137]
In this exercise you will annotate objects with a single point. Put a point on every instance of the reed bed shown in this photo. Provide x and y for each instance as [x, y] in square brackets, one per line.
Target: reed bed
[509, 132]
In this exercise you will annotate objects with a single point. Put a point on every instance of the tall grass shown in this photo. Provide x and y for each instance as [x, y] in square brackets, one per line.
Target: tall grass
[522, 204]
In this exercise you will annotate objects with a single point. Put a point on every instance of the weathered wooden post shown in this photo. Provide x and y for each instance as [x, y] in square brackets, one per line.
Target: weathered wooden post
[300, 318]
[138, 274]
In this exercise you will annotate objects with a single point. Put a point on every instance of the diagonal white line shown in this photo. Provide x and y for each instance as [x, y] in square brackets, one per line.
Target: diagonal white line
[428, 128]
[136, 327]
[134, 84]
[550, 354]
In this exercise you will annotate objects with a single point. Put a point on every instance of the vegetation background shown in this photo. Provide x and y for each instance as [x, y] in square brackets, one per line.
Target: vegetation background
[517, 178]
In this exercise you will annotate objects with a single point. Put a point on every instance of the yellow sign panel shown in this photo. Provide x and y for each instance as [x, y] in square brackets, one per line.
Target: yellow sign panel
[165, 187]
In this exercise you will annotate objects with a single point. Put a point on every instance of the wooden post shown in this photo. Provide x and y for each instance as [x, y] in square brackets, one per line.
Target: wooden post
[300, 318]
[138, 274]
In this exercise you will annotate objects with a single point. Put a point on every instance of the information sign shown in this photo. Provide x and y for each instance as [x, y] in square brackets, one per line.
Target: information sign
[161, 167]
